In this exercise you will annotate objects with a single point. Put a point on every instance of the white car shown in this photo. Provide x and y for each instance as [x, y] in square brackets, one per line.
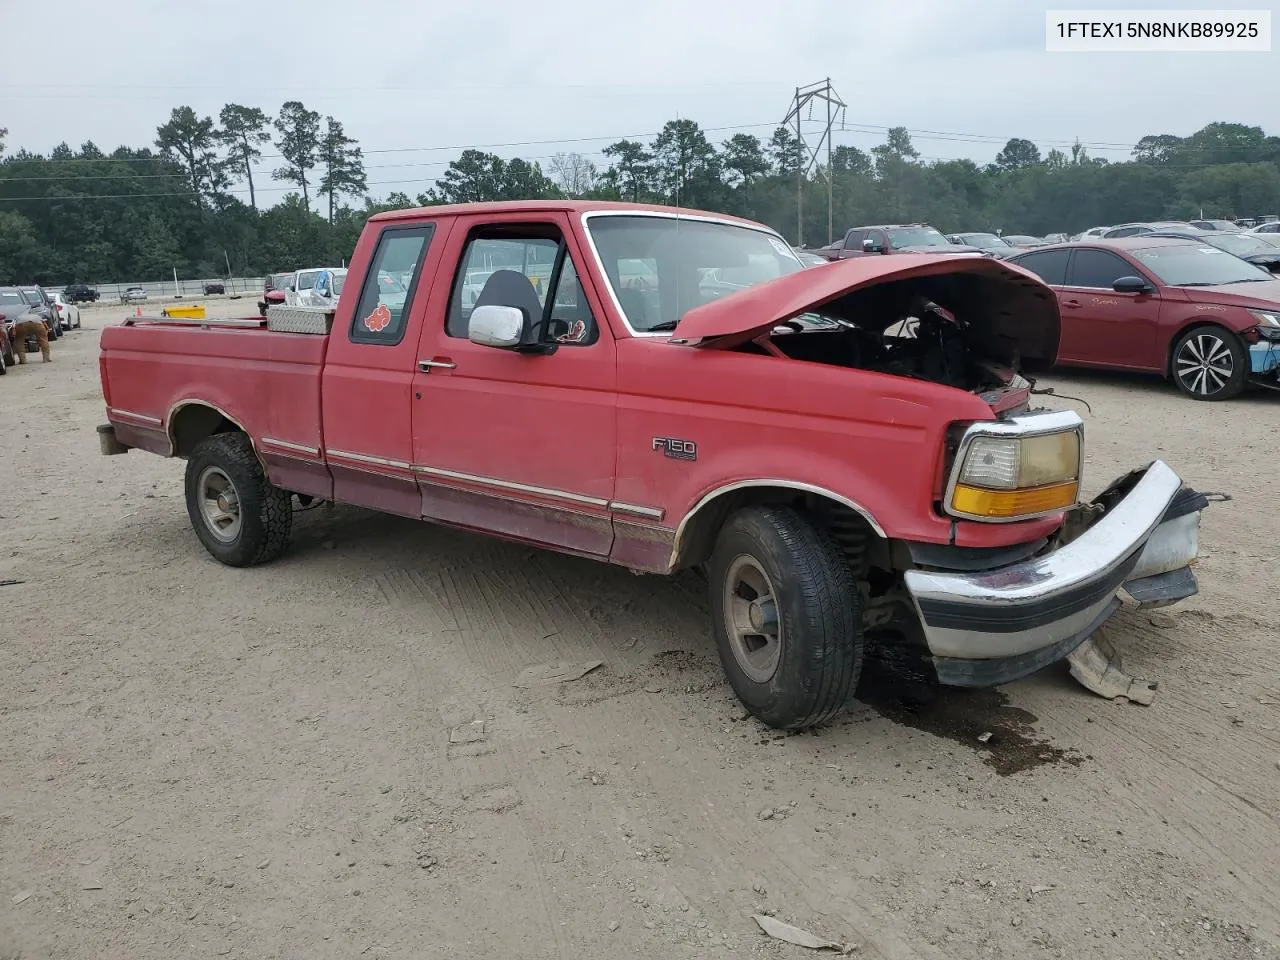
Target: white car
[324, 290]
[68, 312]
[1093, 233]
[300, 291]
[1271, 226]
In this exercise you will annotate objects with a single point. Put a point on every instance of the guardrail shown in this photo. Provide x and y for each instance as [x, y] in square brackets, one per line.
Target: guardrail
[167, 290]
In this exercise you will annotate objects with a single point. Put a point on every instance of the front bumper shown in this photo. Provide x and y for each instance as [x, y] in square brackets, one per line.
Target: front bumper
[995, 626]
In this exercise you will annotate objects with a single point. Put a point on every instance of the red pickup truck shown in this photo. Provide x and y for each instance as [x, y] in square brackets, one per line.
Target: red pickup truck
[848, 453]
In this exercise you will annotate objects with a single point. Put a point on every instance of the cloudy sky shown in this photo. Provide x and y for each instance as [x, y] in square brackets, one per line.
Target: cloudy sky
[416, 82]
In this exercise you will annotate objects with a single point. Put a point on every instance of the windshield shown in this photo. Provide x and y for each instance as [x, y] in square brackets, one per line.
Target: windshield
[662, 267]
[1198, 265]
[900, 237]
[11, 299]
[1239, 244]
[307, 279]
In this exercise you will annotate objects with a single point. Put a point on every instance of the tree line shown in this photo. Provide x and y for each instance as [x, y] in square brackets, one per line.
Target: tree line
[139, 213]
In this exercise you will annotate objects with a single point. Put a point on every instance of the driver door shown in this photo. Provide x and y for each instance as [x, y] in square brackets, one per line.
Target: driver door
[518, 444]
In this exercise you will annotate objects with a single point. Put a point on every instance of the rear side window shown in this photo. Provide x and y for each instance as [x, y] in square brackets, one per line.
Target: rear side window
[389, 285]
[1050, 266]
[1098, 269]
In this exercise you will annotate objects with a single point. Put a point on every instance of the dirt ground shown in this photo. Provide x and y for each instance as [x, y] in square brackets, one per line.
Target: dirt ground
[330, 757]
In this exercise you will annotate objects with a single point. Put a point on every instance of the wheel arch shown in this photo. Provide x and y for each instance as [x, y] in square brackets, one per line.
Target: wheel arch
[695, 534]
[1183, 329]
[190, 421]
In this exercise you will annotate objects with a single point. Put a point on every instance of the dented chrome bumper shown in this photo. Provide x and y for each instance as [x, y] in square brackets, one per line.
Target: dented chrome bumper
[997, 625]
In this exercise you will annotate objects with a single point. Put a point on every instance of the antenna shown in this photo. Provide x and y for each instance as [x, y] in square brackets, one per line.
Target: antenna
[805, 97]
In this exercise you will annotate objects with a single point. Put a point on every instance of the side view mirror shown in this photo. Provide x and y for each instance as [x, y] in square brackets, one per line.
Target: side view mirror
[495, 326]
[1131, 285]
[872, 246]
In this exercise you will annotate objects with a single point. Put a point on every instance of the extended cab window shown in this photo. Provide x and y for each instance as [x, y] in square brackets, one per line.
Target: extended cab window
[520, 266]
[389, 285]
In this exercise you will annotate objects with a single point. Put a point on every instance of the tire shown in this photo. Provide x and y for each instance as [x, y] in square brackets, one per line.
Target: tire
[255, 516]
[4, 365]
[810, 674]
[1210, 363]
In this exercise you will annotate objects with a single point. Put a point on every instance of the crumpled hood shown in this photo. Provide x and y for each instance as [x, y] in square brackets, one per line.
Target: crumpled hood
[1009, 313]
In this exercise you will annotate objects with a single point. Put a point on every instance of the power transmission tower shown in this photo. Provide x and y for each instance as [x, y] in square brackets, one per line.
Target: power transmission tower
[806, 97]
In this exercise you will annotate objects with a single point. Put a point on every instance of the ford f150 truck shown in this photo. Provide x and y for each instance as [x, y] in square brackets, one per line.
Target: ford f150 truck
[848, 453]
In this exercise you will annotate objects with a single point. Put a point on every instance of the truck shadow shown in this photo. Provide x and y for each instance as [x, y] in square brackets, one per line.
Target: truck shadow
[652, 632]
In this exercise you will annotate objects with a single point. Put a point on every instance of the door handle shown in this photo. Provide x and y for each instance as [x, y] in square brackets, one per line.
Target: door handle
[1071, 303]
[426, 366]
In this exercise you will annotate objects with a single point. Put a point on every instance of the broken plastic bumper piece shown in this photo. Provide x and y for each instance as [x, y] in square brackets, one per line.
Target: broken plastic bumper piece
[990, 627]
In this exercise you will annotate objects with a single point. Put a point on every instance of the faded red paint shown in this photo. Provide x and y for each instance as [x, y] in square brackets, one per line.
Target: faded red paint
[558, 449]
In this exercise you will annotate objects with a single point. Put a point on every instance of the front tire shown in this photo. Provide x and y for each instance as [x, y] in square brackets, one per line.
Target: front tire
[239, 515]
[786, 617]
[1210, 363]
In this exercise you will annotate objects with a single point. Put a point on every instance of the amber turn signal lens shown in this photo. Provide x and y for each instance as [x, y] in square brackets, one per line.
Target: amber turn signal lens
[1005, 504]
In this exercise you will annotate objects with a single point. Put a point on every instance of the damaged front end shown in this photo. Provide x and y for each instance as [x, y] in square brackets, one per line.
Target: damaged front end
[1139, 537]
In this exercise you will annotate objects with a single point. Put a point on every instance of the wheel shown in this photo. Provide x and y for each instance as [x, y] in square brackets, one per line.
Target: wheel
[4, 365]
[239, 515]
[786, 617]
[1210, 363]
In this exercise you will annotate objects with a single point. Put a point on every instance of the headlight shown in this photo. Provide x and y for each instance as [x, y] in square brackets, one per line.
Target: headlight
[1017, 469]
[1268, 324]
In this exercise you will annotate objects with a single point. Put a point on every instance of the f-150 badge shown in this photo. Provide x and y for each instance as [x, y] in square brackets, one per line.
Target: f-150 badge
[675, 448]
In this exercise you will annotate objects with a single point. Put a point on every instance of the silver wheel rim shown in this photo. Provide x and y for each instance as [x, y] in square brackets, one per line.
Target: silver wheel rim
[1205, 364]
[751, 619]
[219, 504]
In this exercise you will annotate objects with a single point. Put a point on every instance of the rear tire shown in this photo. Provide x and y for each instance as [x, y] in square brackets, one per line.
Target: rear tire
[1210, 363]
[786, 617]
[4, 365]
[239, 515]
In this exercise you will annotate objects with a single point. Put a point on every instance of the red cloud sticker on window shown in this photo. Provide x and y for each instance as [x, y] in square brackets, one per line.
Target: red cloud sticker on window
[379, 320]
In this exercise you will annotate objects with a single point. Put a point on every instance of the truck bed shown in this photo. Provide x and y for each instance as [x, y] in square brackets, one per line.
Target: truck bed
[265, 381]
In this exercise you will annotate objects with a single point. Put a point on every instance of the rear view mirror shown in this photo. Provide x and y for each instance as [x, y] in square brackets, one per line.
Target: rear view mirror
[495, 326]
[1130, 285]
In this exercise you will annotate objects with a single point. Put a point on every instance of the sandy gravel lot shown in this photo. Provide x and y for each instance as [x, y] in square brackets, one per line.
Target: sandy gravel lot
[329, 757]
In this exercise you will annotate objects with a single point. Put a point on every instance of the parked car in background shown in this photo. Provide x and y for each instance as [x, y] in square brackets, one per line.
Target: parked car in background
[894, 238]
[326, 290]
[1245, 246]
[301, 284]
[1179, 308]
[986, 242]
[1138, 229]
[1091, 233]
[1272, 226]
[214, 286]
[133, 295]
[809, 258]
[80, 293]
[275, 288]
[1055, 238]
[39, 304]
[68, 312]
[1023, 241]
[1226, 226]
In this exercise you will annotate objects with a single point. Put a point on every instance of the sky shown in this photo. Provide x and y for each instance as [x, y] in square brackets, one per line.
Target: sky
[415, 83]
